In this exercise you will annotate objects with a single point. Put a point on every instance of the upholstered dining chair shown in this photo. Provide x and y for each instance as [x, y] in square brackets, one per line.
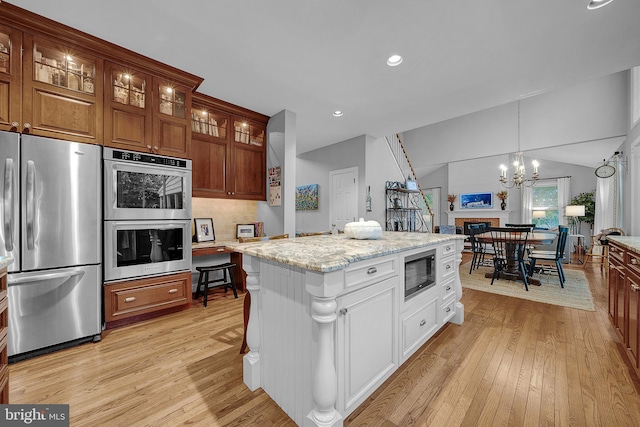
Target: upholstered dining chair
[247, 297]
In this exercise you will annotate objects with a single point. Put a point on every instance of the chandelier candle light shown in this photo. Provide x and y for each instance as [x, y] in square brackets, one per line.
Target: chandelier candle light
[519, 173]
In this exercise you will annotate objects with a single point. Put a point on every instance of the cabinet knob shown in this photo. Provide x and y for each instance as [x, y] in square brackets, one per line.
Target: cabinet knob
[633, 261]
[448, 267]
[448, 288]
[15, 124]
[372, 270]
[130, 299]
[148, 147]
[448, 309]
[155, 147]
[635, 288]
[423, 322]
[27, 125]
[343, 311]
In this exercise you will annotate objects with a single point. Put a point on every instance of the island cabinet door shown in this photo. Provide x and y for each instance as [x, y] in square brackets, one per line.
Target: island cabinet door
[367, 341]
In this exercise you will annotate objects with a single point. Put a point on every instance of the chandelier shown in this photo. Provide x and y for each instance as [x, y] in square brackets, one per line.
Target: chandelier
[519, 178]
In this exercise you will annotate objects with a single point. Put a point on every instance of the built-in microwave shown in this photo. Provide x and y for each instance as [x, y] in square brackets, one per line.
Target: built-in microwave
[419, 272]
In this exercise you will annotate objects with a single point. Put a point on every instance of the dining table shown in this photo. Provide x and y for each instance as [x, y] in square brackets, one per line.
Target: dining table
[534, 238]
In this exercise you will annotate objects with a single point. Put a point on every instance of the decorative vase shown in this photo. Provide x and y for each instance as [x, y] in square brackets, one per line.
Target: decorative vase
[503, 205]
[450, 206]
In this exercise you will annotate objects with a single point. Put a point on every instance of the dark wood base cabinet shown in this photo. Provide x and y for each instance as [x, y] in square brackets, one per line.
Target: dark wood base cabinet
[624, 299]
[134, 300]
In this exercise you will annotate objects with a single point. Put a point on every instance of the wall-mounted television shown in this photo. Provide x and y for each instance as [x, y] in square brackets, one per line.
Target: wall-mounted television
[476, 201]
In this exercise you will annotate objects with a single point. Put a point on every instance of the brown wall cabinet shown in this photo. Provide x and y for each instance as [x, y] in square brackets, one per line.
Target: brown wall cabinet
[53, 89]
[229, 150]
[624, 299]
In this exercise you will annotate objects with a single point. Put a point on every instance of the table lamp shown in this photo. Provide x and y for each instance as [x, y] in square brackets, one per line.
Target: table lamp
[539, 215]
[574, 211]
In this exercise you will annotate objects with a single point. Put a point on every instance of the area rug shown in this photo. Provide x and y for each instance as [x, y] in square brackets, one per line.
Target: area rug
[575, 294]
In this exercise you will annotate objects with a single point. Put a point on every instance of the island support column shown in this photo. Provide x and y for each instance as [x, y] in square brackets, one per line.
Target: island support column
[251, 360]
[458, 318]
[324, 288]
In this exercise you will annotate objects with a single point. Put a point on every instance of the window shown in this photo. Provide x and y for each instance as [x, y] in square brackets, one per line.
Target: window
[544, 197]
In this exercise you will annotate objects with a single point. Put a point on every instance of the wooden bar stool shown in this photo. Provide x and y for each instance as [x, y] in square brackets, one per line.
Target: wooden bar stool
[226, 281]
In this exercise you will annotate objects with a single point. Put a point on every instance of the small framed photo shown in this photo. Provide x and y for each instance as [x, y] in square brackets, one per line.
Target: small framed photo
[204, 230]
[411, 185]
[245, 230]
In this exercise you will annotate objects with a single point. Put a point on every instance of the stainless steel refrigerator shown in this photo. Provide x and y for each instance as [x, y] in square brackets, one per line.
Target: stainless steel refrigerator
[51, 221]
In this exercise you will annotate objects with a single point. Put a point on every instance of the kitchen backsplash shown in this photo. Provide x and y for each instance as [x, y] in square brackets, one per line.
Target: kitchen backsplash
[225, 214]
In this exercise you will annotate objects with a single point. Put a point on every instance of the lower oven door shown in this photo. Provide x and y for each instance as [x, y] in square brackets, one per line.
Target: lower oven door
[145, 248]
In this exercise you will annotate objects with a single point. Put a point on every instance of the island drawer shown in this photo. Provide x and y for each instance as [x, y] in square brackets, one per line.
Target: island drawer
[448, 268]
[448, 290]
[419, 325]
[370, 271]
[448, 249]
[448, 310]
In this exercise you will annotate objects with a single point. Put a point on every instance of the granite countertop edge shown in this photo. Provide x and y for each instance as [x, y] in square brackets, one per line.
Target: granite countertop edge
[328, 253]
[5, 261]
[628, 242]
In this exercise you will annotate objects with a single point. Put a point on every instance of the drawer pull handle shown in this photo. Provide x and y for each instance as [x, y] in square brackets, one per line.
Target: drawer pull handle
[372, 270]
[173, 291]
[343, 311]
[633, 261]
[448, 309]
[130, 299]
[423, 322]
[448, 288]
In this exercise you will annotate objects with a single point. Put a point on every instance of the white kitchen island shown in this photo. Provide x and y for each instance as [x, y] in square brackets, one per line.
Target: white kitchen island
[329, 322]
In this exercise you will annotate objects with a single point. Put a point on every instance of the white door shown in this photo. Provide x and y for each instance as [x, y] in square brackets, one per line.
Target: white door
[344, 197]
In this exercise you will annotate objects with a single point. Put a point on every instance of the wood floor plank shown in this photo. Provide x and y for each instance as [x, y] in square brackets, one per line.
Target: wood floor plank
[512, 362]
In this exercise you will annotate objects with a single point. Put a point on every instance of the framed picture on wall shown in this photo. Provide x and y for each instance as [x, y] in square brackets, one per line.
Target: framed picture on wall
[245, 230]
[204, 230]
[476, 201]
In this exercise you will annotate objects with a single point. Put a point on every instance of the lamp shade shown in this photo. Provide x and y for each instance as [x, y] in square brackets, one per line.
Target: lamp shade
[575, 210]
[539, 214]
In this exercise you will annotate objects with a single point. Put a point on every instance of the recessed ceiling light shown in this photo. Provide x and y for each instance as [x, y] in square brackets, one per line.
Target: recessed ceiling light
[338, 113]
[395, 60]
[597, 4]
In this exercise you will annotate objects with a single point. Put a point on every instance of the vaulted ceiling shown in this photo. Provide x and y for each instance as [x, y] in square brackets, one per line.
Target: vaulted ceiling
[313, 57]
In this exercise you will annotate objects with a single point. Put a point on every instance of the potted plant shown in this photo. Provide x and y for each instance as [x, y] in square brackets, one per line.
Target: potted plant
[502, 195]
[451, 198]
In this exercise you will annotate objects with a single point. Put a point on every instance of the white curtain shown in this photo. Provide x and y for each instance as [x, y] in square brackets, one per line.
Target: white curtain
[605, 204]
[527, 205]
[564, 198]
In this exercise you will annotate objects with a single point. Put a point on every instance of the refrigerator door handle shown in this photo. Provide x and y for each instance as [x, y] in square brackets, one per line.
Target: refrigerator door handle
[30, 204]
[7, 204]
[43, 277]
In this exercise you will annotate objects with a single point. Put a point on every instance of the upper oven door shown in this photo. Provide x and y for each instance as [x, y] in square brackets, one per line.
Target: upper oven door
[141, 191]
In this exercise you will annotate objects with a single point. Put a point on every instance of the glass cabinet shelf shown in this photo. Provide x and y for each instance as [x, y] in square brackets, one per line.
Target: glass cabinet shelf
[208, 123]
[172, 102]
[129, 89]
[61, 69]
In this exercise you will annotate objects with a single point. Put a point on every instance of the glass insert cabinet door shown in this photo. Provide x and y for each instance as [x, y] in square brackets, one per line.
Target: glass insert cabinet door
[5, 58]
[208, 122]
[129, 88]
[246, 132]
[63, 69]
[172, 101]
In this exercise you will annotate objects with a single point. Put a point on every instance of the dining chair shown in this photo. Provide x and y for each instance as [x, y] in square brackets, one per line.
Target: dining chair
[509, 245]
[477, 248]
[247, 298]
[529, 226]
[555, 256]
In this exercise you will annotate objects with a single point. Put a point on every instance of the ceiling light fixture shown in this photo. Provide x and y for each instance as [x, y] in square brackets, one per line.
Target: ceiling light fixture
[337, 113]
[597, 4]
[394, 60]
[519, 173]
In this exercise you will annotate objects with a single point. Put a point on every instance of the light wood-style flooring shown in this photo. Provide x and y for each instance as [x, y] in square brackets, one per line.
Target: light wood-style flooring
[512, 363]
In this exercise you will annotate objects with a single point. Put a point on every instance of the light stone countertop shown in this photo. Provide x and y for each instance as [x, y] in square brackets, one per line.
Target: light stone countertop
[5, 261]
[329, 253]
[628, 242]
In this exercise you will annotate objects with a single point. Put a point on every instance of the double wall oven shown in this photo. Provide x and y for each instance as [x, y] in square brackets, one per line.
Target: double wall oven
[147, 213]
